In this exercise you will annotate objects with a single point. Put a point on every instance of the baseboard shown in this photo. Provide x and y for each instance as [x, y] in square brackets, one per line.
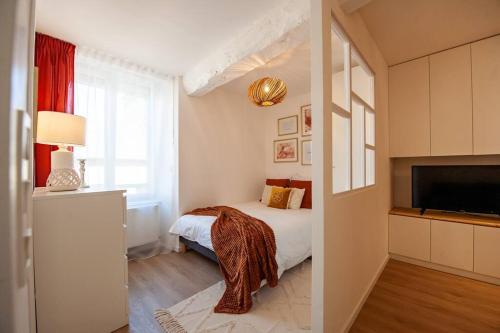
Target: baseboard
[446, 269]
[359, 306]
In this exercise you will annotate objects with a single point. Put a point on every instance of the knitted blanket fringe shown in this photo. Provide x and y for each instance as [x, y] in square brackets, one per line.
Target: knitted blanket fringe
[168, 322]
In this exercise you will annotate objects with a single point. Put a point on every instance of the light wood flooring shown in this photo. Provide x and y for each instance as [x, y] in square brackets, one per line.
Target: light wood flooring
[406, 299]
[409, 298]
[162, 281]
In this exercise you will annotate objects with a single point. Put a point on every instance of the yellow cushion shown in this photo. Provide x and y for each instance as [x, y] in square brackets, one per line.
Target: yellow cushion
[279, 197]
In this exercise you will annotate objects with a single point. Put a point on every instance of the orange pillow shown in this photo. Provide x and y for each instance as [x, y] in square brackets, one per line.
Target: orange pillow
[307, 185]
[279, 197]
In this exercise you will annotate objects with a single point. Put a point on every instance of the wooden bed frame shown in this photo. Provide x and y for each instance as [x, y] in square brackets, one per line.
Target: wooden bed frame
[198, 248]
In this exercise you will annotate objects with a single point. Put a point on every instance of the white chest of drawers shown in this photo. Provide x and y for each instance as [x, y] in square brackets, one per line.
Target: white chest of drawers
[80, 260]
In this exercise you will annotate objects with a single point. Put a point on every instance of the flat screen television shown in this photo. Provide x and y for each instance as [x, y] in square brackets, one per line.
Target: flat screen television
[458, 188]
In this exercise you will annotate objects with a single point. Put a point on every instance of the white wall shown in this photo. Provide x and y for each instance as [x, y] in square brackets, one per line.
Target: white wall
[289, 107]
[356, 232]
[221, 149]
[350, 230]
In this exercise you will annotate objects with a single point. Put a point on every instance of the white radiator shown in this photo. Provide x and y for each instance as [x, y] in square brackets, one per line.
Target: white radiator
[143, 224]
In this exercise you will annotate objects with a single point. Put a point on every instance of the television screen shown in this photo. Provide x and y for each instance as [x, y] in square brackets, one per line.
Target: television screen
[460, 188]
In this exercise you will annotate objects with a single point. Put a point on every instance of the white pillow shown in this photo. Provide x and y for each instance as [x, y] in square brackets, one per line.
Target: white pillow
[295, 199]
[266, 194]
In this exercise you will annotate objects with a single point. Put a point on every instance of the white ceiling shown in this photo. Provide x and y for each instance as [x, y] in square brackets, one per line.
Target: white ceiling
[408, 29]
[168, 35]
[293, 67]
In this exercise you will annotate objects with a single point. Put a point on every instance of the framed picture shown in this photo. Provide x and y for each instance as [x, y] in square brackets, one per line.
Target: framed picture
[306, 152]
[288, 125]
[286, 150]
[306, 120]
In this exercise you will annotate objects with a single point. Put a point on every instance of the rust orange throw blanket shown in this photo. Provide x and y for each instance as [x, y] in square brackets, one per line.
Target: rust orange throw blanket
[246, 249]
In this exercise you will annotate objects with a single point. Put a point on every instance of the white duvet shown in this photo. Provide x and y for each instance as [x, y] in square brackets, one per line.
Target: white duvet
[292, 229]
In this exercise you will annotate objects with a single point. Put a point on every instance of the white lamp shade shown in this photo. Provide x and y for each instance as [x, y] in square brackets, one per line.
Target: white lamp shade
[59, 128]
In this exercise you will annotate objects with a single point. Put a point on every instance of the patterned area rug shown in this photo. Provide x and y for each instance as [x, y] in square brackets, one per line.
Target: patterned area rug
[283, 309]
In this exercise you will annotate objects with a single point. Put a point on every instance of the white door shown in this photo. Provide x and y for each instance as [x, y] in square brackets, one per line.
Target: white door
[16, 59]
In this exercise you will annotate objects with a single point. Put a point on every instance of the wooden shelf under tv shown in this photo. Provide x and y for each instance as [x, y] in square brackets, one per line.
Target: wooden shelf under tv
[467, 218]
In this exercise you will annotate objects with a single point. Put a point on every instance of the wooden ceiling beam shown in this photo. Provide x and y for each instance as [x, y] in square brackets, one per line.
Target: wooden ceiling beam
[279, 30]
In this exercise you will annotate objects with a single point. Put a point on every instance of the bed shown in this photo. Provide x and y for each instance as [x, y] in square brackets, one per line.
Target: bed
[292, 230]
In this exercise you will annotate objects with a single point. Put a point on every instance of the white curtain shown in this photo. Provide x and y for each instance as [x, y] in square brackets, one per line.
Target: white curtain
[130, 141]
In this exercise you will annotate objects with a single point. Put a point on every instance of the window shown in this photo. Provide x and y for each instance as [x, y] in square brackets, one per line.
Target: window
[341, 131]
[362, 80]
[353, 119]
[358, 145]
[340, 67]
[129, 114]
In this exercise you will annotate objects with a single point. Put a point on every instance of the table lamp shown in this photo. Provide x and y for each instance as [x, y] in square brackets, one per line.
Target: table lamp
[63, 130]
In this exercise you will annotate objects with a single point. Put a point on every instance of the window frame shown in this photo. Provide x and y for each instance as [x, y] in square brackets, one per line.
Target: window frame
[109, 161]
[355, 98]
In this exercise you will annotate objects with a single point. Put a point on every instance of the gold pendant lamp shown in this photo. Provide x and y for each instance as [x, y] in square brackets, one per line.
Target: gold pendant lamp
[267, 91]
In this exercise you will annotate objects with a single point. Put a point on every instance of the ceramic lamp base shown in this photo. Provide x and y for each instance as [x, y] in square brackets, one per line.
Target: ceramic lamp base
[61, 159]
[62, 176]
[63, 180]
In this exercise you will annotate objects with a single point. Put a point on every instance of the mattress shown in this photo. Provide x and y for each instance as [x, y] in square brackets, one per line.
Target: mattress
[292, 230]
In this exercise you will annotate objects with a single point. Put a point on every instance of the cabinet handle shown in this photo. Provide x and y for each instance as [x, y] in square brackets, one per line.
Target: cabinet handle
[23, 188]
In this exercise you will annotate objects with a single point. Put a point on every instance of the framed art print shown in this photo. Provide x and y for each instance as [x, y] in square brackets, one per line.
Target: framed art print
[286, 150]
[288, 125]
[306, 120]
[306, 152]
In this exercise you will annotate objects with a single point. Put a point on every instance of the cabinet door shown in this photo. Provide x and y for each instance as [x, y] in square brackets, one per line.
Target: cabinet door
[486, 95]
[409, 116]
[451, 102]
[452, 244]
[409, 237]
[487, 251]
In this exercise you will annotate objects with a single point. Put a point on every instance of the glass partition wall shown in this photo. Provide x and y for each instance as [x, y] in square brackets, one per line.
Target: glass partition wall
[353, 118]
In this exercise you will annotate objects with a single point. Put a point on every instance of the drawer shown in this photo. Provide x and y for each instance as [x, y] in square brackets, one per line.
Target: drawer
[452, 244]
[409, 237]
[487, 251]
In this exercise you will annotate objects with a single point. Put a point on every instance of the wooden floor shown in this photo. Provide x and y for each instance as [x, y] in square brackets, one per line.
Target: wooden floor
[409, 298]
[162, 281]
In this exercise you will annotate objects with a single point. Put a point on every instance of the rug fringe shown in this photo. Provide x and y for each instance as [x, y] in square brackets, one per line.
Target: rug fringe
[168, 322]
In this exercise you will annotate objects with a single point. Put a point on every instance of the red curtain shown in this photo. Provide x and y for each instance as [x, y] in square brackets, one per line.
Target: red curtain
[55, 60]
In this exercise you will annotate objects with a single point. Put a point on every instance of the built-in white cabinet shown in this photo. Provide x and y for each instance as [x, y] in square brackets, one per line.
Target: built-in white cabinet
[463, 244]
[410, 237]
[447, 103]
[486, 95]
[452, 244]
[451, 102]
[409, 118]
[487, 251]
